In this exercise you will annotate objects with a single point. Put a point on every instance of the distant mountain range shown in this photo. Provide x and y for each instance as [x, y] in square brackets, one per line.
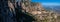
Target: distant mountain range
[54, 8]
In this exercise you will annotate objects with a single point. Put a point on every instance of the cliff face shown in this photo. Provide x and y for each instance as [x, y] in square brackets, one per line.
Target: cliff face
[37, 11]
[24, 11]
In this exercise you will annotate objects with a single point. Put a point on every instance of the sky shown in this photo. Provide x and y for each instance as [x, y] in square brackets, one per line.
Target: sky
[55, 1]
[48, 2]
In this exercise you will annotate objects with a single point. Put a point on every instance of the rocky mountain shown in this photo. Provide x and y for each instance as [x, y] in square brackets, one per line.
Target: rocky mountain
[25, 11]
[36, 11]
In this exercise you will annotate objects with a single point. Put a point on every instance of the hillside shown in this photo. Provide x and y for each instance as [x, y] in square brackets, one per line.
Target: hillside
[37, 11]
[25, 11]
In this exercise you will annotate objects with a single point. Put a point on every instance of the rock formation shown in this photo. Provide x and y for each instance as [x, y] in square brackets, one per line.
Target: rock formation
[25, 11]
[36, 11]
[7, 11]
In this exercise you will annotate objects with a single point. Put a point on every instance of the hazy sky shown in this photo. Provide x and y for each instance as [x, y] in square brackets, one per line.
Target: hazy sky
[55, 1]
[48, 2]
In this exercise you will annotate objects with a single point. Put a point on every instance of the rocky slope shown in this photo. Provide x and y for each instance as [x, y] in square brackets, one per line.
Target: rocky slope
[37, 11]
[25, 11]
